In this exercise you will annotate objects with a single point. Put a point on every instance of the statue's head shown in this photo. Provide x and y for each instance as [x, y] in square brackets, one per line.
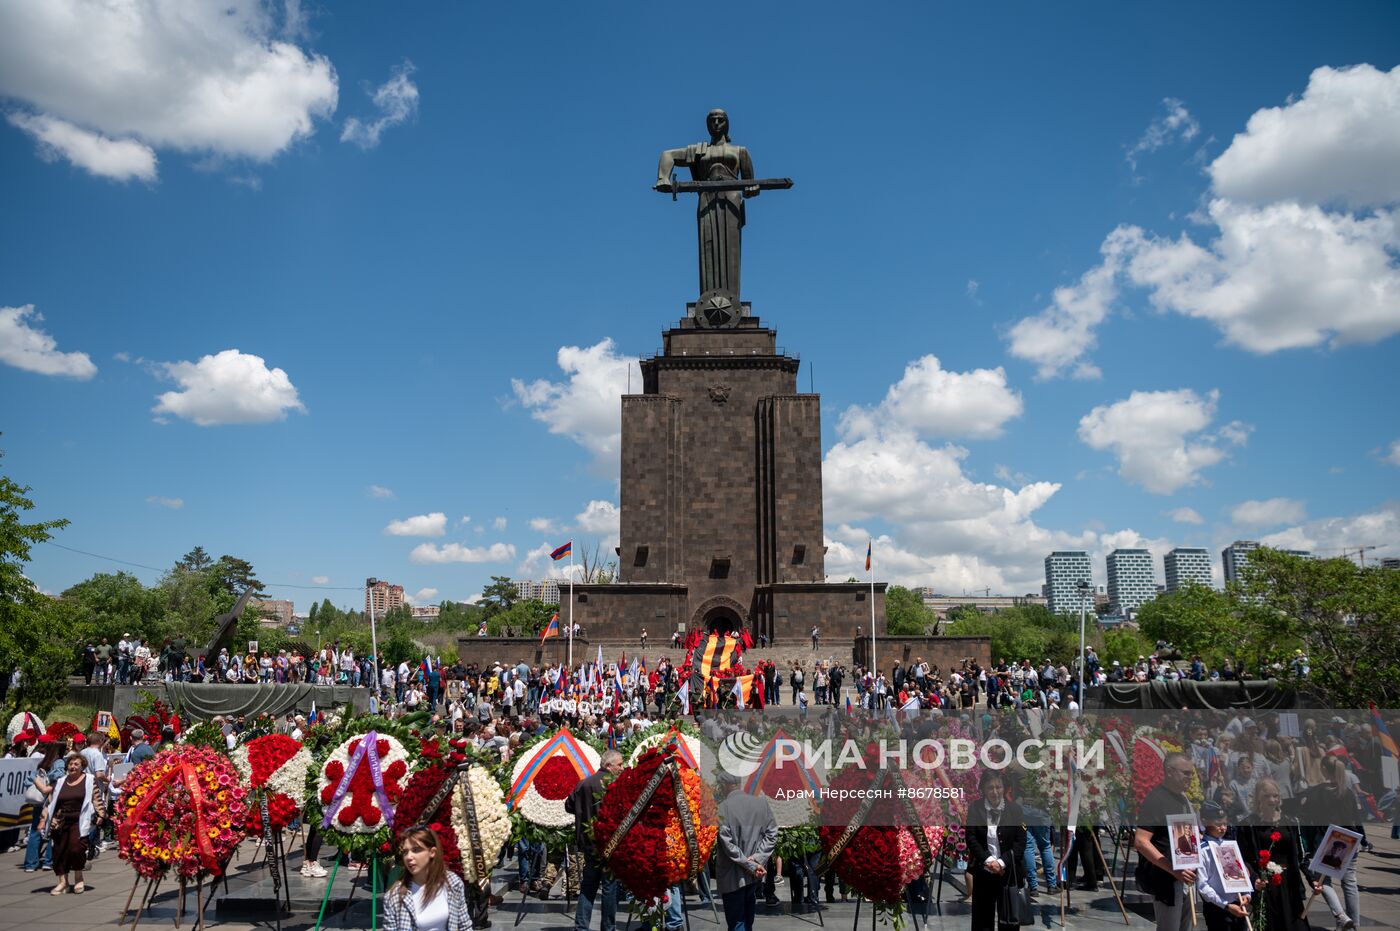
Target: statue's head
[717, 122]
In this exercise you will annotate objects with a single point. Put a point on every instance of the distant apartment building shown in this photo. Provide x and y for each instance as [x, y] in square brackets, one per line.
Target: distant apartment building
[276, 612]
[546, 590]
[1235, 557]
[1064, 570]
[1187, 565]
[381, 597]
[1131, 580]
[1390, 562]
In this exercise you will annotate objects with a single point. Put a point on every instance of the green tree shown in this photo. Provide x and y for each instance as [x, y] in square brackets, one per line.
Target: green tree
[110, 604]
[1346, 619]
[905, 613]
[498, 595]
[37, 633]
[1124, 645]
[1196, 619]
[196, 560]
[523, 619]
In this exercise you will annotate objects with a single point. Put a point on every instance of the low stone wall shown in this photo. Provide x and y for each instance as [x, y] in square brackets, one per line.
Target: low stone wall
[944, 652]
[510, 650]
[204, 700]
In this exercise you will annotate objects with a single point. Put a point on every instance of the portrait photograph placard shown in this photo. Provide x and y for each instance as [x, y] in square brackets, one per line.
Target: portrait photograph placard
[1234, 874]
[1184, 836]
[1335, 852]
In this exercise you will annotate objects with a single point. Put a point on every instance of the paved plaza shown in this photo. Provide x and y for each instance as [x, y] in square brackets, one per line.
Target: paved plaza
[25, 903]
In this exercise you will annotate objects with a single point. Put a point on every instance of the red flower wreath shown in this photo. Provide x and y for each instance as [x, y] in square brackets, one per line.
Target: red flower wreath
[883, 855]
[423, 785]
[653, 856]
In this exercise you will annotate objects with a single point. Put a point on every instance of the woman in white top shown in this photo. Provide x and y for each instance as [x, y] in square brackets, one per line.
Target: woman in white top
[428, 897]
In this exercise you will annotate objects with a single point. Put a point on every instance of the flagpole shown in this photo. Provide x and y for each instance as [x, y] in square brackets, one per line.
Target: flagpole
[571, 608]
[874, 667]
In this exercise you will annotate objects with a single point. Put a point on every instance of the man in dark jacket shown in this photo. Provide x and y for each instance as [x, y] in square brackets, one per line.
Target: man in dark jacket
[583, 804]
[1154, 875]
[996, 849]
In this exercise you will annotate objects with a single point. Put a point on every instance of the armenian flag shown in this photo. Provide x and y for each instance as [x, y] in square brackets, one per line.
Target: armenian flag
[868, 545]
[566, 550]
[1390, 753]
[551, 629]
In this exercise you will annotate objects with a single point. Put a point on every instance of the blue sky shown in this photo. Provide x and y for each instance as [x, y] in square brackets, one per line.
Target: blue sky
[299, 273]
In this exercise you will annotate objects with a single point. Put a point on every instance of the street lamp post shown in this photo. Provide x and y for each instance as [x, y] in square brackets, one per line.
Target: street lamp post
[1084, 589]
[373, 638]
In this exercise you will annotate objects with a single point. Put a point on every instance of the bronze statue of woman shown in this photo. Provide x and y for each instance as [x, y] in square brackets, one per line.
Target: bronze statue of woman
[719, 214]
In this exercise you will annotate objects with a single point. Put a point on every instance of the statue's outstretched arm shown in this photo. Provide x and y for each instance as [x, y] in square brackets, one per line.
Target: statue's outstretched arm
[746, 172]
[670, 158]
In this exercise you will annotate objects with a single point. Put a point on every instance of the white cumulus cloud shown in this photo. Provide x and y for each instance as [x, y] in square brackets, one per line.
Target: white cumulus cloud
[25, 346]
[379, 491]
[173, 503]
[1329, 536]
[600, 517]
[1157, 437]
[227, 388]
[421, 525]
[1337, 143]
[220, 79]
[1392, 455]
[396, 100]
[543, 525]
[431, 554]
[1186, 516]
[118, 159]
[1268, 513]
[422, 596]
[499, 524]
[587, 405]
[933, 401]
[1305, 234]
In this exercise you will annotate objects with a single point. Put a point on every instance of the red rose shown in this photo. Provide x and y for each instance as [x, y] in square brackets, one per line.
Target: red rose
[1276, 837]
[1264, 858]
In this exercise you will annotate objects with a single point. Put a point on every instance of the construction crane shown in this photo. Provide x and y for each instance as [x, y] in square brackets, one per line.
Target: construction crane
[1359, 552]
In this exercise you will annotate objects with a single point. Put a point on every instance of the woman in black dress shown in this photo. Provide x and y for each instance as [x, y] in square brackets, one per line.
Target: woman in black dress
[68, 820]
[1283, 901]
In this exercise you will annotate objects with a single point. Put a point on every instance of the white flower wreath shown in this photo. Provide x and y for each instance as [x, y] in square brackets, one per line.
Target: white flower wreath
[660, 737]
[492, 820]
[532, 805]
[288, 779]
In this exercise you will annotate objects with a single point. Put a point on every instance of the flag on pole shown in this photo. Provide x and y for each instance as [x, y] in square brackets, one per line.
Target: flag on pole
[683, 694]
[1390, 753]
[566, 550]
[738, 693]
[868, 546]
[848, 705]
[551, 629]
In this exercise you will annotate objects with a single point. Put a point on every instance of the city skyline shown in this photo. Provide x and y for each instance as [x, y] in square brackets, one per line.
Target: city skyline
[1074, 319]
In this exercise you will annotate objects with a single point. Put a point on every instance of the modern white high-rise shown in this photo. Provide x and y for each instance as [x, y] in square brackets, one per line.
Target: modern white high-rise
[1187, 565]
[1131, 580]
[1235, 557]
[1064, 570]
[546, 590]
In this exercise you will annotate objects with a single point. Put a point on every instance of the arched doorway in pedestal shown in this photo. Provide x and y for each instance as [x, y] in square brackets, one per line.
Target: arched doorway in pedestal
[720, 615]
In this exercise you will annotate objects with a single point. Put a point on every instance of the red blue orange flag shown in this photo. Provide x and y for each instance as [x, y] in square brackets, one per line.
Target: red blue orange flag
[562, 551]
[868, 547]
[551, 629]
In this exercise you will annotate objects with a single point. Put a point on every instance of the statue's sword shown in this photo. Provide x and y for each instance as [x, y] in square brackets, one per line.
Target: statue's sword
[738, 184]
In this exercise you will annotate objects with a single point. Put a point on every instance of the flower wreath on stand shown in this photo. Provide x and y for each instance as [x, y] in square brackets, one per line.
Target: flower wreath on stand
[1149, 754]
[540, 778]
[428, 786]
[876, 836]
[275, 768]
[21, 722]
[792, 781]
[183, 809]
[358, 783]
[656, 827]
[658, 735]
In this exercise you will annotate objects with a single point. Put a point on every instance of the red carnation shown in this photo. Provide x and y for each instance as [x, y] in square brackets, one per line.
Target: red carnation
[1276, 837]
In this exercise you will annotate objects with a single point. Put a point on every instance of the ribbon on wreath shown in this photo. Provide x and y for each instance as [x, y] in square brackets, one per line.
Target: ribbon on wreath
[483, 878]
[829, 859]
[184, 771]
[367, 750]
[692, 843]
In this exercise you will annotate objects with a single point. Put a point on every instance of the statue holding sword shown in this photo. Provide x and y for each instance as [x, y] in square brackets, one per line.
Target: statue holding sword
[722, 177]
